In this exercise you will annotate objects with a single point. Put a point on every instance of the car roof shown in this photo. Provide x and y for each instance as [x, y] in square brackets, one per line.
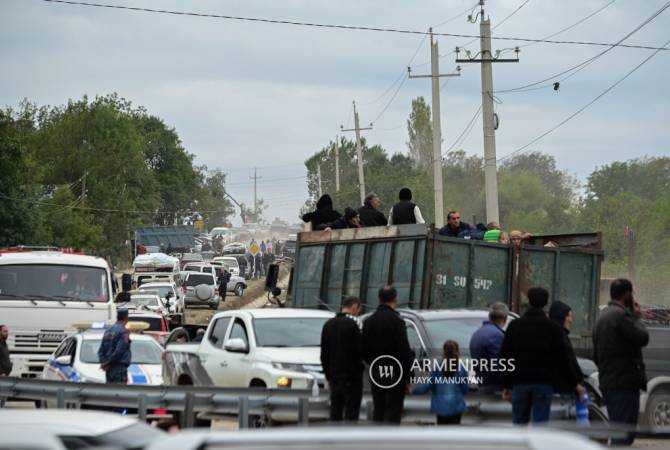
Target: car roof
[97, 334]
[436, 314]
[156, 284]
[65, 422]
[19, 437]
[52, 257]
[271, 313]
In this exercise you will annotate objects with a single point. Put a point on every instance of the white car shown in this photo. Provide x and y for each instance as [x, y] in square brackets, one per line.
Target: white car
[253, 348]
[165, 289]
[145, 300]
[76, 359]
[78, 428]
[229, 262]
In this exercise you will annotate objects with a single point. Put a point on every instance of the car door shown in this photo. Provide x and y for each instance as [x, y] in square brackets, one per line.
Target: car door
[211, 352]
[50, 371]
[238, 363]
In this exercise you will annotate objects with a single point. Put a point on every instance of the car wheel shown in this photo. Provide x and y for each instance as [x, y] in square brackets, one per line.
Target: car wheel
[214, 306]
[239, 289]
[259, 421]
[658, 412]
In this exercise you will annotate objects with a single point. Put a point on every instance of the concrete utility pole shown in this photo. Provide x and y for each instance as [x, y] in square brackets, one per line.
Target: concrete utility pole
[359, 152]
[318, 175]
[489, 118]
[255, 178]
[337, 164]
[438, 190]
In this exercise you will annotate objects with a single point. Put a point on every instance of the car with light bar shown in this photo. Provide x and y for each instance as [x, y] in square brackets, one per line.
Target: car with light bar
[76, 358]
[43, 290]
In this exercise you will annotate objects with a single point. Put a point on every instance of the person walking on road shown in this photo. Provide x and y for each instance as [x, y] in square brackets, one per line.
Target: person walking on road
[618, 338]
[485, 344]
[342, 361]
[224, 279]
[386, 349]
[114, 353]
[536, 345]
[370, 214]
[561, 313]
[5, 361]
[405, 211]
[448, 387]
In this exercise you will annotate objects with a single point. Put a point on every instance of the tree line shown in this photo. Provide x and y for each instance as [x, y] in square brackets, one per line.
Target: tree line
[86, 174]
[534, 196]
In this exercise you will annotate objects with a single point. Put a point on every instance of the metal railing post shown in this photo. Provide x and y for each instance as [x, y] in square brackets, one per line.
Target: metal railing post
[60, 398]
[243, 414]
[303, 411]
[142, 408]
[188, 418]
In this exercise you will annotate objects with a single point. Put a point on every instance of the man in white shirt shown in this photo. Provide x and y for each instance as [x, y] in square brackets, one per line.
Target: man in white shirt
[405, 211]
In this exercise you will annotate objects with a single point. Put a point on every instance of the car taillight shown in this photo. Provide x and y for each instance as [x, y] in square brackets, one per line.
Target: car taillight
[216, 291]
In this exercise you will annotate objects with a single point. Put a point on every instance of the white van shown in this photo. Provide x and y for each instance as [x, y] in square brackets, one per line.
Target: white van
[230, 263]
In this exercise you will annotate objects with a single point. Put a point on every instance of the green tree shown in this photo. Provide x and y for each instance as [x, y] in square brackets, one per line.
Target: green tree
[420, 132]
[212, 201]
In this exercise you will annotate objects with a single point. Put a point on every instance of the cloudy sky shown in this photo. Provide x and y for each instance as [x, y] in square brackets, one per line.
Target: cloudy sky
[244, 95]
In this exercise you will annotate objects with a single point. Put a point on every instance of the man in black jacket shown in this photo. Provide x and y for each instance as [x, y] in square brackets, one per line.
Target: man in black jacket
[536, 346]
[618, 338]
[370, 214]
[342, 361]
[386, 349]
[323, 215]
[405, 211]
[5, 361]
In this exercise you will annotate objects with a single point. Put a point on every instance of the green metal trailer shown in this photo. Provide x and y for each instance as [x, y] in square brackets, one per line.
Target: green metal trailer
[436, 272]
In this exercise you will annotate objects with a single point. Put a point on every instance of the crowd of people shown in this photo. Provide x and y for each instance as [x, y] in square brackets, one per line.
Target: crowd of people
[543, 362]
[404, 212]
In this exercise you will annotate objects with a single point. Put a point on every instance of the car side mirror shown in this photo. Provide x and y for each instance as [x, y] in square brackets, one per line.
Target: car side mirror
[236, 345]
[64, 360]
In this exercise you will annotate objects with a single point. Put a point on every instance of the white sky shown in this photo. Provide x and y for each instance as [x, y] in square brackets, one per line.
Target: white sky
[246, 94]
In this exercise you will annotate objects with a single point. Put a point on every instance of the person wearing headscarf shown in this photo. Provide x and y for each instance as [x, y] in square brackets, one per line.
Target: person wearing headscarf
[561, 313]
[323, 215]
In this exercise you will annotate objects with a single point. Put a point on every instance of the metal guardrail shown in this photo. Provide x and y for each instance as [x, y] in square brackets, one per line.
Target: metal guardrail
[292, 405]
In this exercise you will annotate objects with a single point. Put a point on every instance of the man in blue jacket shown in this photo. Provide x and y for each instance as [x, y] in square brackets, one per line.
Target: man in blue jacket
[485, 346]
[114, 352]
[454, 226]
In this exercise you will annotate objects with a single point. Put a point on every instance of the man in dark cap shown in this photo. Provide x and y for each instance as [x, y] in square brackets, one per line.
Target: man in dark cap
[405, 211]
[324, 214]
[114, 352]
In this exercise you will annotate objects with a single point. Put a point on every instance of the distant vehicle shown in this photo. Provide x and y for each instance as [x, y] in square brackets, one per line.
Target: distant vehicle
[199, 267]
[83, 429]
[190, 258]
[230, 263]
[43, 290]
[236, 283]
[145, 300]
[253, 348]
[158, 323]
[154, 267]
[169, 294]
[289, 246]
[76, 360]
[200, 289]
[368, 437]
[235, 248]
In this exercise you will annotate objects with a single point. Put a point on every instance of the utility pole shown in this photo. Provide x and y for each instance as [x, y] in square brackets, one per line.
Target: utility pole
[255, 178]
[337, 164]
[83, 189]
[438, 190]
[318, 175]
[489, 118]
[359, 152]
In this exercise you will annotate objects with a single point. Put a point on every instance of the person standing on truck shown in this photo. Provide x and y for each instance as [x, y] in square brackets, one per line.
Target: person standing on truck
[405, 211]
[323, 215]
[114, 353]
[618, 338]
[454, 226]
[5, 361]
[370, 214]
[385, 347]
[342, 361]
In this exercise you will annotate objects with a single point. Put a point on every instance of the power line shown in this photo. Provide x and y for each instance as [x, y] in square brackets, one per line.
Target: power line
[466, 131]
[569, 27]
[595, 99]
[582, 65]
[340, 27]
[269, 180]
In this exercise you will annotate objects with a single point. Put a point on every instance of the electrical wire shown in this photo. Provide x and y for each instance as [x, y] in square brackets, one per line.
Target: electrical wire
[458, 16]
[340, 27]
[569, 27]
[466, 131]
[582, 65]
[571, 116]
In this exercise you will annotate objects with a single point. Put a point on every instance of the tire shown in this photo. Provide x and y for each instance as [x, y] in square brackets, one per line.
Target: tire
[214, 306]
[239, 289]
[657, 412]
[259, 421]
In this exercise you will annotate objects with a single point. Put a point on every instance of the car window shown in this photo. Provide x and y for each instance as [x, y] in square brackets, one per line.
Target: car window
[304, 332]
[141, 351]
[218, 332]
[196, 279]
[162, 290]
[155, 323]
[239, 331]
[65, 348]
[458, 329]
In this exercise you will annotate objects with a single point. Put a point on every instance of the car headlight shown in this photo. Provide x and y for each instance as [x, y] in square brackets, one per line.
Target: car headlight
[284, 382]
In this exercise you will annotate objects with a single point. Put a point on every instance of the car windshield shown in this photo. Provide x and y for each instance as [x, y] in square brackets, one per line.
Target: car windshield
[155, 323]
[144, 300]
[304, 332]
[456, 328]
[195, 280]
[162, 290]
[141, 351]
[53, 282]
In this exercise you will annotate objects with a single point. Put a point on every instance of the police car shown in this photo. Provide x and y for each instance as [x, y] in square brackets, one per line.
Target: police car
[76, 358]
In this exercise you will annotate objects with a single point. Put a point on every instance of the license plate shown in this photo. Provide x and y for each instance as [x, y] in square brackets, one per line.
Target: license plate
[51, 337]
